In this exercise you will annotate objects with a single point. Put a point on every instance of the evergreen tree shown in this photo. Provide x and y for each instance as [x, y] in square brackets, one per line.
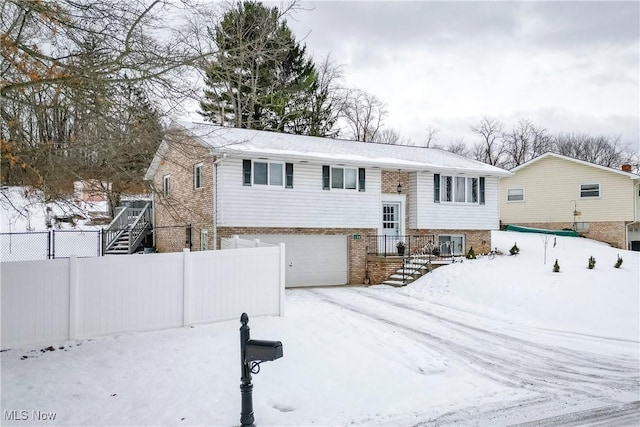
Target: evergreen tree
[261, 77]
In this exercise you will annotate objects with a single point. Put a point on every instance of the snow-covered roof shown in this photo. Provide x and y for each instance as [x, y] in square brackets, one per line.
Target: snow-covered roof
[571, 159]
[234, 142]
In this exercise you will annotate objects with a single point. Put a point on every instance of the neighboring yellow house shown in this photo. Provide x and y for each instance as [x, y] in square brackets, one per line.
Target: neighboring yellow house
[559, 192]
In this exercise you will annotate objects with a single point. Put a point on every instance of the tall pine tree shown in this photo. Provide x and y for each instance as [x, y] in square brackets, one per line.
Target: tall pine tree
[261, 77]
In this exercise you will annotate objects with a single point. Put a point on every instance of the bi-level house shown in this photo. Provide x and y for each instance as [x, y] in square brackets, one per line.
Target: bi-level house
[559, 192]
[338, 205]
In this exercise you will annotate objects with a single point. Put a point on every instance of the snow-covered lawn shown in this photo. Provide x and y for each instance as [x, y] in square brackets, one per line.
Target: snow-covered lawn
[486, 342]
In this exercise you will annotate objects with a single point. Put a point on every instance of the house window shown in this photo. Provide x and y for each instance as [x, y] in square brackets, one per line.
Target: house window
[582, 227]
[204, 239]
[267, 173]
[198, 176]
[458, 189]
[343, 178]
[451, 244]
[589, 190]
[515, 194]
[166, 185]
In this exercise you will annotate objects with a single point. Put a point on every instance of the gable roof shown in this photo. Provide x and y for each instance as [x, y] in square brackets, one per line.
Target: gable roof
[571, 159]
[235, 142]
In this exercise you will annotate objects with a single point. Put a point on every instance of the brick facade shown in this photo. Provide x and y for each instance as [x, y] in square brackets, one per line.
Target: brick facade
[184, 205]
[611, 232]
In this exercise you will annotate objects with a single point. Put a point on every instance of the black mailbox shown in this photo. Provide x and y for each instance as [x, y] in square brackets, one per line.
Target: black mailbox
[252, 354]
[261, 350]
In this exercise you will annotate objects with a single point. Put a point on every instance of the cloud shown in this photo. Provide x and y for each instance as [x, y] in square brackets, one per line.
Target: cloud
[571, 66]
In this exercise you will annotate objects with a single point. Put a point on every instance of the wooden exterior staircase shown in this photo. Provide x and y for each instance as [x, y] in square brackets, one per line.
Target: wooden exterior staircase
[127, 230]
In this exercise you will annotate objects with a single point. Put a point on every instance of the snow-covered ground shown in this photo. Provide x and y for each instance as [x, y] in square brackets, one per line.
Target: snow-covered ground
[22, 210]
[486, 342]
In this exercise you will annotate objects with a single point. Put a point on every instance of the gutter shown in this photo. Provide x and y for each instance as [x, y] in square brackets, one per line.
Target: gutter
[215, 198]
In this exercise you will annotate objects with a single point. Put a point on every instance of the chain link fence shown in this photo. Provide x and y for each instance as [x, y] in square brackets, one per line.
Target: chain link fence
[38, 245]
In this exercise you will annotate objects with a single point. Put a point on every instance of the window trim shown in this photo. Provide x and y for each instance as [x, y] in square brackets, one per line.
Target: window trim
[198, 176]
[516, 200]
[453, 253]
[358, 173]
[249, 173]
[582, 196]
[450, 182]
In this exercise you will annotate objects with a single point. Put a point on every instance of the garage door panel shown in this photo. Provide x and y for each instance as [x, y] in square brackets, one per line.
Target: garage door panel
[312, 260]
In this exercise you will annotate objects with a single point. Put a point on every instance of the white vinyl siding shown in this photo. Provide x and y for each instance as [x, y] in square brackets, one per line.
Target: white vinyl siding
[552, 185]
[304, 205]
[425, 213]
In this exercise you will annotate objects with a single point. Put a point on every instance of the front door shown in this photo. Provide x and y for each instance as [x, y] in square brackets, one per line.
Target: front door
[390, 227]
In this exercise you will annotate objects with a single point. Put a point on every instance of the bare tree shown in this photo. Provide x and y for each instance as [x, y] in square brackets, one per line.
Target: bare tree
[388, 136]
[524, 142]
[363, 114]
[459, 147]
[81, 85]
[490, 149]
[326, 102]
[601, 149]
[432, 136]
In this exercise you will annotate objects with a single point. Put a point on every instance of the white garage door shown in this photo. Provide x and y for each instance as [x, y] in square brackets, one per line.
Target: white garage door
[311, 260]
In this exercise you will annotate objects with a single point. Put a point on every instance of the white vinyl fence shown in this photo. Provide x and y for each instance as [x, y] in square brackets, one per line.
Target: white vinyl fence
[48, 301]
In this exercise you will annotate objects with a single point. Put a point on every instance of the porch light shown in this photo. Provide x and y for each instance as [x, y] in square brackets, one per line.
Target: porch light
[399, 187]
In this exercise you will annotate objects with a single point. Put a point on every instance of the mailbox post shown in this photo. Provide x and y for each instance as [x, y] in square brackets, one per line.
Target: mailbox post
[252, 353]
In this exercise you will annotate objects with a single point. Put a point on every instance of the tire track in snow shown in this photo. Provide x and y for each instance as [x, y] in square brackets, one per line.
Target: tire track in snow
[513, 367]
[618, 367]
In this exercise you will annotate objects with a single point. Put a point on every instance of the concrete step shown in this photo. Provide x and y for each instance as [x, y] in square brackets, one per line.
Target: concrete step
[401, 278]
[395, 283]
[417, 266]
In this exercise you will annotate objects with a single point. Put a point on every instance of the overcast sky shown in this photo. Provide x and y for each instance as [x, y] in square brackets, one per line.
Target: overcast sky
[567, 66]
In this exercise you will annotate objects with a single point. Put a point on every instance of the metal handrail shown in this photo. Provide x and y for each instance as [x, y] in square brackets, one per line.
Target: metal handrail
[115, 229]
[135, 220]
[139, 226]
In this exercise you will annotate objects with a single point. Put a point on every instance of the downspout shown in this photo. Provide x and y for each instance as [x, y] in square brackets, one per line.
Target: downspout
[215, 199]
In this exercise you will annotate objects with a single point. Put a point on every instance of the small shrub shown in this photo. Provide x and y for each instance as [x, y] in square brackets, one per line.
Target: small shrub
[592, 263]
[556, 267]
[515, 250]
[618, 262]
[471, 254]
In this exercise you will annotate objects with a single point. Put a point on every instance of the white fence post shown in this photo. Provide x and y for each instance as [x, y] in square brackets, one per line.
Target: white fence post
[236, 240]
[283, 269]
[73, 297]
[256, 243]
[186, 287]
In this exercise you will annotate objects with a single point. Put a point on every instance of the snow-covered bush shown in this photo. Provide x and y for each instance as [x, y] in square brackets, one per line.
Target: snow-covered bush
[471, 254]
[515, 250]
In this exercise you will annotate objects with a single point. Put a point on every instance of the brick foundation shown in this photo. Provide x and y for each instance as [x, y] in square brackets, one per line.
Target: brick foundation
[612, 232]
